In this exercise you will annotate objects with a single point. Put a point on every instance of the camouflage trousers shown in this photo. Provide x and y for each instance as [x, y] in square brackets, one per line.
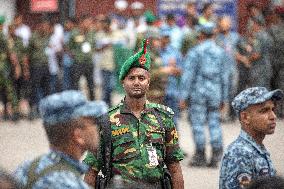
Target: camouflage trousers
[8, 93]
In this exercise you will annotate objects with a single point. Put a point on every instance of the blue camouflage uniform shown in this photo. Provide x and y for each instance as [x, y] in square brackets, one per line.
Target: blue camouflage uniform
[54, 109]
[205, 83]
[245, 159]
[56, 179]
[173, 84]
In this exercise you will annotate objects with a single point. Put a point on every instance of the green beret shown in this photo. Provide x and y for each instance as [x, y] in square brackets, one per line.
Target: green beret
[2, 19]
[149, 16]
[140, 60]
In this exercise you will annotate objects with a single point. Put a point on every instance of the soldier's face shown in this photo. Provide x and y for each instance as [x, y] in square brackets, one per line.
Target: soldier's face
[260, 118]
[136, 83]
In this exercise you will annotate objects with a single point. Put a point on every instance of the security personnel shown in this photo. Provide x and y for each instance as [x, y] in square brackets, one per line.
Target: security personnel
[7, 90]
[143, 135]
[38, 64]
[70, 123]
[261, 68]
[205, 84]
[157, 87]
[81, 47]
[277, 56]
[246, 158]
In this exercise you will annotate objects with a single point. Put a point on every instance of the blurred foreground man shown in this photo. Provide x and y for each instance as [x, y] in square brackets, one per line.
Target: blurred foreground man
[143, 136]
[246, 158]
[70, 123]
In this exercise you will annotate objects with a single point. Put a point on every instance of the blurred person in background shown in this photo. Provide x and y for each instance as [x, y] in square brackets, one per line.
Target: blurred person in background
[82, 48]
[254, 12]
[205, 83]
[119, 18]
[175, 32]
[7, 90]
[136, 23]
[190, 35]
[191, 12]
[260, 61]
[157, 87]
[22, 30]
[228, 40]
[105, 63]
[172, 67]
[54, 52]
[277, 56]
[19, 65]
[207, 14]
[67, 60]
[38, 64]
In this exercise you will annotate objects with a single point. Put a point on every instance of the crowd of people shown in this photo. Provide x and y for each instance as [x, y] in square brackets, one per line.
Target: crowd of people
[52, 57]
[198, 63]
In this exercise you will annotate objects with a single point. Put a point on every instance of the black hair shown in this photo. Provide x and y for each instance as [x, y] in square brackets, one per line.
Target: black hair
[206, 6]
[170, 17]
[250, 6]
[276, 182]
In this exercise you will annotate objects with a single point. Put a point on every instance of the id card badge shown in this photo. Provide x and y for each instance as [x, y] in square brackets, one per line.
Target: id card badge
[152, 154]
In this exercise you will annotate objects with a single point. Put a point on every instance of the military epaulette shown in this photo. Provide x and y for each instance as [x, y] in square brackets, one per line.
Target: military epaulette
[165, 109]
[114, 107]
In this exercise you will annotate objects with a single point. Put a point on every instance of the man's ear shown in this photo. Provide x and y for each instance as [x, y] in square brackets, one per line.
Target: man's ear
[78, 136]
[245, 117]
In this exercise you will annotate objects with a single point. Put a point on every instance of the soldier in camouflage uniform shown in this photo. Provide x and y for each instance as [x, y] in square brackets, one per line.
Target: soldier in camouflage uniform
[38, 64]
[246, 158]
[7, 89]
[143, 134]
[156, 92]
[81, 47]
[18, 58]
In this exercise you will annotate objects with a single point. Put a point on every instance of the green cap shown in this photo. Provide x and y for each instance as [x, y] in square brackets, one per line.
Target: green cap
[140, 60]
[2, 19]
[149, 16]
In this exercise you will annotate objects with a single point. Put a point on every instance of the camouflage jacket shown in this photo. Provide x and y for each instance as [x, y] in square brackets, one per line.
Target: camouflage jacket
[131, 137]
[37, 49]
[4, 66]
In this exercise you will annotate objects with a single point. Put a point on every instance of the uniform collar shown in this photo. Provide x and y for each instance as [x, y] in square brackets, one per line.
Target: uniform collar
[79, 166]
[260, 148]
[124, 109]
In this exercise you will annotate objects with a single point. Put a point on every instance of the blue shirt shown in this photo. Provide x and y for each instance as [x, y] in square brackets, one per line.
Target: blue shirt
[229, 44]
[204, 73]
[56, 179]
[169, 52]
[243, 161]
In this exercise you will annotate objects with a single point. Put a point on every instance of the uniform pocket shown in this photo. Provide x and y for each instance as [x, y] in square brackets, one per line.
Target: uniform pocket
[124, 147]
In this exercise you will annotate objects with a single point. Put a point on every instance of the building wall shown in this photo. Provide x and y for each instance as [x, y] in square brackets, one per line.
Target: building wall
[96, 7]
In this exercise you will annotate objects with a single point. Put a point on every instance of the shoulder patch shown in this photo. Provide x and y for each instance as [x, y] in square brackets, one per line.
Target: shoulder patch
[162, 108]
[244, 179]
